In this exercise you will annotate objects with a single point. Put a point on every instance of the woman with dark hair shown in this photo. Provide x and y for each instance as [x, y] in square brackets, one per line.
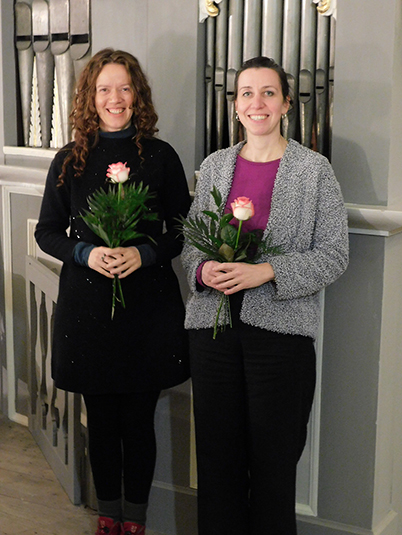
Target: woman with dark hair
[253, 385]
[119, 365]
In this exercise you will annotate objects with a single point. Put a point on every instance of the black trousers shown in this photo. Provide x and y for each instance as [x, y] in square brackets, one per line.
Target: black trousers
[253, 390]
[122, 444]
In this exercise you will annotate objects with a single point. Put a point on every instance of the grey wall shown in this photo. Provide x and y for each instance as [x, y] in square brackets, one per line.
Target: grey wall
[367, 83]
[350, 379]
[360, 471]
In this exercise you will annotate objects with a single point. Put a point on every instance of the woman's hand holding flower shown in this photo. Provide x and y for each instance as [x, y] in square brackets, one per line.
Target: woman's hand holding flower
[123, 261]
[98, 260]
[231, 277]
[210, 270]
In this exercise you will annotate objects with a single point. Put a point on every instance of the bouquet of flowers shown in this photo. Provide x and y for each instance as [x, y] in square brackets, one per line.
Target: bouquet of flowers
[113, 215]
[223, 242]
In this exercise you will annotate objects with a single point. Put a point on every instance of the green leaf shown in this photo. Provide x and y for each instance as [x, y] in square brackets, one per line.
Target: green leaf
[216, 196]
[227, 252]
[225, 219]
[212, 215]
[228, 235]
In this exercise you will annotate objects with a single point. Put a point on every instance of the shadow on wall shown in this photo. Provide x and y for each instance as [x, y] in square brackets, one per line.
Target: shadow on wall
[355, 175]
[177, 89]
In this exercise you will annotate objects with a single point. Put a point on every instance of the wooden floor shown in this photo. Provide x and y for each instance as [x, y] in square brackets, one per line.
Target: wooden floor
[32, 502]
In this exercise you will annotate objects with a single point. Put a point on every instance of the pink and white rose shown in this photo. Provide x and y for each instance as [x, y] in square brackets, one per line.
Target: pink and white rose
[118, 172]
[242, 208]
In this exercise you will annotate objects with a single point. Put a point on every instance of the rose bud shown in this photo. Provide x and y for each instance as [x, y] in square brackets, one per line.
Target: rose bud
[242, 208]
[118, 172]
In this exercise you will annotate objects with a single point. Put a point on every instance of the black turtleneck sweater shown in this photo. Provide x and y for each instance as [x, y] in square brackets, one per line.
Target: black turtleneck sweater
[144, 347]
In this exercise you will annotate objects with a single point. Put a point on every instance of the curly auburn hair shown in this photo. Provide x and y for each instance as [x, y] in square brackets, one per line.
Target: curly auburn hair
[84, 117]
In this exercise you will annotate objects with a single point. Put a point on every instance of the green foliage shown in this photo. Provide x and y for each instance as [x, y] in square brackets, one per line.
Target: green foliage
[217, 237]
[221, 241]
[114, 215]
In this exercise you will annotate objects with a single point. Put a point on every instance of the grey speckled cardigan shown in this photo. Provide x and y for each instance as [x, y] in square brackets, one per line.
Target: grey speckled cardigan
[308, 220]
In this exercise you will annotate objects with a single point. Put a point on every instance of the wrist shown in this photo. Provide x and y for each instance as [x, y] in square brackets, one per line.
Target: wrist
[269, 273]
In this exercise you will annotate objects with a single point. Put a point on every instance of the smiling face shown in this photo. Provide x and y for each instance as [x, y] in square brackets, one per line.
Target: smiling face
[260, 102]
[114, 98]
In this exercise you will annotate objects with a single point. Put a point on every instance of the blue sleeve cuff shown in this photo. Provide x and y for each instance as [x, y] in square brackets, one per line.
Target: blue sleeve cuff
[81, 253]
[148, 255]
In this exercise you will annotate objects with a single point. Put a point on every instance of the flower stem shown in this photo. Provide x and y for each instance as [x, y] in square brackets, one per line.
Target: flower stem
[123, 304]
[117, 288]
[218, 314]
[114, 296]
[238, 234]
[224, 302]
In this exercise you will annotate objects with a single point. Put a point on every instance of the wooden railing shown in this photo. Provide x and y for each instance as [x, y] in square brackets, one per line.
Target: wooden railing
[54, 415]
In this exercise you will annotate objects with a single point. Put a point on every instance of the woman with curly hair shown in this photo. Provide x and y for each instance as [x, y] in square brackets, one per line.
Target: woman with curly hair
[120, 365]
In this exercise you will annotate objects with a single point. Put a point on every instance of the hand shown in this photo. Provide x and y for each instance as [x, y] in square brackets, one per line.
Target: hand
[231, 277]
[209, 272]
[98, 259]
[121, 261]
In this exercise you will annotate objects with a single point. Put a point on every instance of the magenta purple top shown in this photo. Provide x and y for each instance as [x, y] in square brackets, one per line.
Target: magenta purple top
[254, 180]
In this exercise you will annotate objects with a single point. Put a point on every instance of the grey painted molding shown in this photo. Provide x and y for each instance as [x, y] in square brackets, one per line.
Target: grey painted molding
[374, 220]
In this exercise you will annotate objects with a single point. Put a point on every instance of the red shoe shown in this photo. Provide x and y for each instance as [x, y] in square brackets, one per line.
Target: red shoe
[128, 528]
[107, 526]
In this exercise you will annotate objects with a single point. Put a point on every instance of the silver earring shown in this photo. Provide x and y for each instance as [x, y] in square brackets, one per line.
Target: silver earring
[237, 116]
[284, 116]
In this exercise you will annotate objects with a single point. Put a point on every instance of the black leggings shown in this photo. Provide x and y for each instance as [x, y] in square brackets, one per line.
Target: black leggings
[122, 443]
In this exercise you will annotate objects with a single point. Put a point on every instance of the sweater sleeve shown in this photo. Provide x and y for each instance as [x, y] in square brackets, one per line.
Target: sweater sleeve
[300, 273]
[54, 217]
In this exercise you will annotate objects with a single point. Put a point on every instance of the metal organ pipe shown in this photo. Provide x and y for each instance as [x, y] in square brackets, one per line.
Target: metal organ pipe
[60, 44]
[55, 33]
[272, 22]
[331, 80]
[321, 80]
[307, 70]
[23, 44]
[252, 29]
[80, 37]
[220, 71]
[290, 60]
[209, 81]
[44, 67]
[235, 26]
[297, 34]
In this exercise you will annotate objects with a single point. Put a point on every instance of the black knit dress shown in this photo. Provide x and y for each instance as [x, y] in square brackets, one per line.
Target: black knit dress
[145, 346]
